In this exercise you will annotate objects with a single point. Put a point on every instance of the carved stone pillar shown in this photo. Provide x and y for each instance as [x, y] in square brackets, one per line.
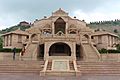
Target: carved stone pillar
[46, 51]
[66, 28]
[73, 51]
[53, 30]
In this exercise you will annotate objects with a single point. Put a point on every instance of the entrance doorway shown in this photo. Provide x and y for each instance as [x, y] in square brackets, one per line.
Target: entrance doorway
[60, 49]
[41, 51]
[78, 52]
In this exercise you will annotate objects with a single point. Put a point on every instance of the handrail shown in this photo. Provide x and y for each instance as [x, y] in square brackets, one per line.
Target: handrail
[34, 52]
[98, 54]
[45, 66]
[84, 50]
[75, 65]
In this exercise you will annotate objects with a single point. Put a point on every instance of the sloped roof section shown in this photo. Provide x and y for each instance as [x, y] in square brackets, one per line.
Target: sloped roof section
[18, 31]
[103, 33]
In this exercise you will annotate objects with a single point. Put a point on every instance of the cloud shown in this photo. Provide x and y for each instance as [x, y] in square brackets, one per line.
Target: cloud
[12, 12]
[96, 16]
[108, 11]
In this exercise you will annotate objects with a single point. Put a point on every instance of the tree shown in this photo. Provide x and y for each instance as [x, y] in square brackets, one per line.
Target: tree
[118, 46]
[1, 42]
[115, 31]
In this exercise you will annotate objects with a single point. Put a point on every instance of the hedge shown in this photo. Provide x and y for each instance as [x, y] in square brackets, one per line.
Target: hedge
[102, 51]
[10, 50]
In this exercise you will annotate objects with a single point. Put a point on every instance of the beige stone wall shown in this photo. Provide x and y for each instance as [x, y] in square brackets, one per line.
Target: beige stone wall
[16, 43]
[107, 41]
[13, 41]
[110, 57]
[8, 56]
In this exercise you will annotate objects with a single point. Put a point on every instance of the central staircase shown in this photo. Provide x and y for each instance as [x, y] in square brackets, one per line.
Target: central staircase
[91, 52]
[76, 68]
[30, 51]
[49, 71]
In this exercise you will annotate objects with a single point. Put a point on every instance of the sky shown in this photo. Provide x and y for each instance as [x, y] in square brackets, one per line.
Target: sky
[14, 11]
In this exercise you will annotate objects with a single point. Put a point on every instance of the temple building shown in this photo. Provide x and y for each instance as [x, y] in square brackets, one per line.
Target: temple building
[60, 39]
[103, 39]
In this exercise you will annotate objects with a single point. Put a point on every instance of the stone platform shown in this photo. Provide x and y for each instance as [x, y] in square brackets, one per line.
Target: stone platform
[37, 77]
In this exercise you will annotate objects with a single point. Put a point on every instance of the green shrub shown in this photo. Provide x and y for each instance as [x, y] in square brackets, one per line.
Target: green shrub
[118, 46]
[10, 50]
[113, 51]
[1, 42]
[103, 50]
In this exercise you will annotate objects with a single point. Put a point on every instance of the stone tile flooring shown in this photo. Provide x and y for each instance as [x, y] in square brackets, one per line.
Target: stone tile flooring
[37, 77]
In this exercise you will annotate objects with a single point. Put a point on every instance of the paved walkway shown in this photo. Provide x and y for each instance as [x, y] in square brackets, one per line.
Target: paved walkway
[37, 77]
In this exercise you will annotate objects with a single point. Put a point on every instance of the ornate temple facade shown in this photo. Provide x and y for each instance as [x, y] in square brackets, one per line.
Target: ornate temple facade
[60, 41]
[60, 37]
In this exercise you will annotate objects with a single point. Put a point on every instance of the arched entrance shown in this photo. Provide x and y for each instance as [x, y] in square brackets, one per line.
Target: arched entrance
[60, 49]
[60, 25]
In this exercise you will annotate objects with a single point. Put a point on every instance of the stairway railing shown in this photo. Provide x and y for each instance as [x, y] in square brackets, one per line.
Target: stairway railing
[98, 54]
[75, 65]
[45, 66]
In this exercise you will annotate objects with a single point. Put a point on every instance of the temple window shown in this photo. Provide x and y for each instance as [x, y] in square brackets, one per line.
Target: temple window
[72, 32]
[60, 25]
[99, 39]
[92, 37]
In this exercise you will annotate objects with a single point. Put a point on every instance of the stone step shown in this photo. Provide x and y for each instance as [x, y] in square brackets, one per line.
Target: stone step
[98, 65]
[21, 66]
[110, 69]
[105, 63]
[21, 71]
[99, 68]
[71, 65]
[49, 66]
[60, 73]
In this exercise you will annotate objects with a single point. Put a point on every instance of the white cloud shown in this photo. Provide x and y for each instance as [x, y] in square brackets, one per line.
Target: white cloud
[96, 15]
[7, 20]
[11, 12]
[109, 10]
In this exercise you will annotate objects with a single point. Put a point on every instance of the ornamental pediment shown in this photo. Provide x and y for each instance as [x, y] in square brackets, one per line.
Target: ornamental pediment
[60, 12]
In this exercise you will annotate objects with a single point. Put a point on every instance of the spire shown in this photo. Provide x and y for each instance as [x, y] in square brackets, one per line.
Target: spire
[60, 9]
[60, 12]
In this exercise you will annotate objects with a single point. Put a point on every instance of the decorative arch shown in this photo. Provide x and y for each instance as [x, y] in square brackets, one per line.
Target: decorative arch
[72, 26]
[60, 49]
[34, 37]
[72, 32]
[60, 25]
[72, 29]
[47, 26]
[86, 38]
[47, 29]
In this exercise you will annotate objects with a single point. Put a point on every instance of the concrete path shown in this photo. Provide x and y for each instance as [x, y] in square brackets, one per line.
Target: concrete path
[37, 77]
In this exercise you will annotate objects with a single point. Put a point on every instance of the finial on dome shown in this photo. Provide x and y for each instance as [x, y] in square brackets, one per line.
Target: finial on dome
[60, 9]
